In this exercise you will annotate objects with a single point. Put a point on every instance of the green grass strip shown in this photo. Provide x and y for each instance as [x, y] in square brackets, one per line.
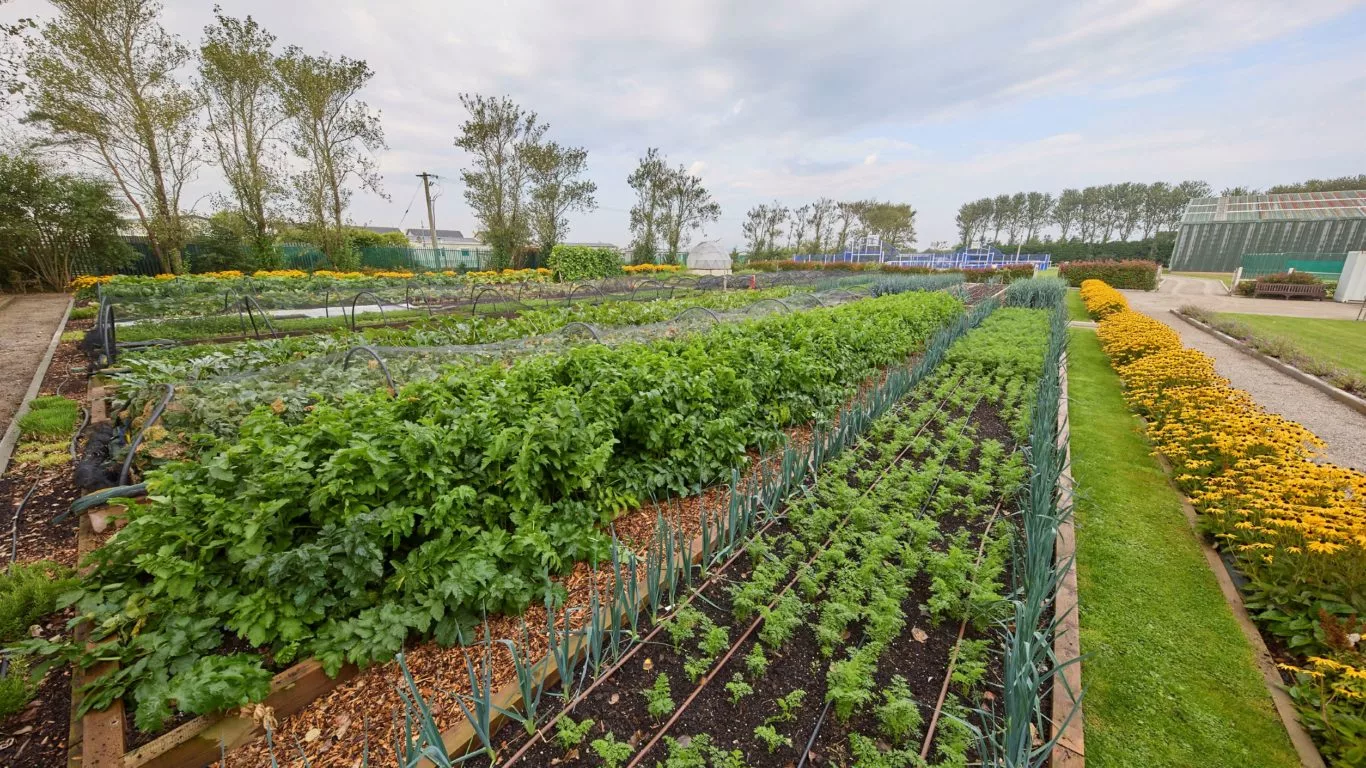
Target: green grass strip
[1340, 342]
[1170, 678]
[1076, 308]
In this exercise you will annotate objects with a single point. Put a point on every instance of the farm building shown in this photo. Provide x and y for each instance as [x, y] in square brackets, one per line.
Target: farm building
[1216, 232]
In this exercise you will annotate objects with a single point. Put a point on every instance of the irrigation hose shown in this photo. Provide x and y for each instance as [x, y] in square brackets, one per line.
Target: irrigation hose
[142, 433]
[100, 497]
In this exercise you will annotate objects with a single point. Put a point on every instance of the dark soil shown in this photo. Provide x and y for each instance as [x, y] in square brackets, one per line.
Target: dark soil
[36, 736]
[920, 655]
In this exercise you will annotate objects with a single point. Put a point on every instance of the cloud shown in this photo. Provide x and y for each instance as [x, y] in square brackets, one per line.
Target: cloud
[930, 102]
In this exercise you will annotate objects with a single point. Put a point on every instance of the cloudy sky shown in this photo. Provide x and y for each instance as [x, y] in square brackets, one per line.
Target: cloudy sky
[930, 103]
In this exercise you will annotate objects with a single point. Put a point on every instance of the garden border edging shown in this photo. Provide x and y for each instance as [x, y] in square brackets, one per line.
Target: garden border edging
[1066, 707]
[1342, 396]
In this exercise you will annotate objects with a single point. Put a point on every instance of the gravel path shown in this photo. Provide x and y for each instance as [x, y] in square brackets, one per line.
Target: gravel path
[27, 322]
[1343, 429]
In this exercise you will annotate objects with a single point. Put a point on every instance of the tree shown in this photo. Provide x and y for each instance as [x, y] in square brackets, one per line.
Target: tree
[1155, 197]
[1067, 211]
[650, 180]
[798, 229]
[12, 38]
[1340, 184]
[557, 187]
[762, 228]
[237, 83]
[1038, 211]
[48, 218]
[821, 221]
[973, 219]
[1127, 205]
[1238, 192]
[847, 214]
[104, 87]
[1000, 216]
[1182, 194]
[332, 133]
[688, 206]
[892, 223]
[1015, 219]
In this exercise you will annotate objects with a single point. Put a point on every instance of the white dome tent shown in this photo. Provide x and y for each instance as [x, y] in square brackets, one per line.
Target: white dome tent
[707, 259]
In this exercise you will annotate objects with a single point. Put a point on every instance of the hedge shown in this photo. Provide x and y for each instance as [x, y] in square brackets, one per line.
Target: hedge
[582, 262]
[1003, 274]
[1134, 273]
[1249, 287]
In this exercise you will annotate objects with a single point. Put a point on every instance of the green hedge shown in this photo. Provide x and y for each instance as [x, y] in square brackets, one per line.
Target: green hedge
[1002, 274]
[582, 262]
[1141, 275]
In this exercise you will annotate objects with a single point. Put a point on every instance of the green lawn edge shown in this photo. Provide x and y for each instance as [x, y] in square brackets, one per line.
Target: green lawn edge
[1170, 679]
[1076, 308]
[1341, 342]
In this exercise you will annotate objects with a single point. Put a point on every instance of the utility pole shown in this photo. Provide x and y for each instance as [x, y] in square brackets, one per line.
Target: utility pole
[431, 212]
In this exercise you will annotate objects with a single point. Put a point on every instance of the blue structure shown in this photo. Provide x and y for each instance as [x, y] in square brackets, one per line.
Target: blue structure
[872, 251]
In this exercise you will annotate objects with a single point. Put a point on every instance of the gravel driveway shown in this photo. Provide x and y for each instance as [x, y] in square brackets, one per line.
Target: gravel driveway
[1343, 429]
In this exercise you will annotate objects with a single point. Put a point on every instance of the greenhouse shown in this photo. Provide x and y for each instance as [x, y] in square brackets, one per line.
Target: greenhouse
[1216, 232]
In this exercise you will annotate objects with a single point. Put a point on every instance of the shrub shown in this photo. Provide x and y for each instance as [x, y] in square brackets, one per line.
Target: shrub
[1249, 287]
[582, 262]
[1134, 273]
[16, 688]
[1001, 274]
[28, 593]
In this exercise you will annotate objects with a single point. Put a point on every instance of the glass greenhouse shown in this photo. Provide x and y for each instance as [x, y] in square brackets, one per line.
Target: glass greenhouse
[1216, 232]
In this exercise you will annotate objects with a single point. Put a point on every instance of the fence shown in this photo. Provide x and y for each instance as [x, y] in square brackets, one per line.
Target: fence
[1327, 266]
[985, 258]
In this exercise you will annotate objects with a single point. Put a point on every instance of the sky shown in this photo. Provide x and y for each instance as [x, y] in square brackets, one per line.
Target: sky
[929, 103]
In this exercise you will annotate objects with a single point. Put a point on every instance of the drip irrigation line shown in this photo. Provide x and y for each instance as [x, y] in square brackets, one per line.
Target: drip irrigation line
[962, 629]
[811, 742]
[716, 670]
[539, 735]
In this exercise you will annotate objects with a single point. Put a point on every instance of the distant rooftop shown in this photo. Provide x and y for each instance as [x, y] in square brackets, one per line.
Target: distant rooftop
[418, 233]
[382, 230]
[1293, 206]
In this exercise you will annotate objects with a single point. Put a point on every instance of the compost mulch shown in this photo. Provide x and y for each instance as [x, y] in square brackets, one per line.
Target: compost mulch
[36, 736]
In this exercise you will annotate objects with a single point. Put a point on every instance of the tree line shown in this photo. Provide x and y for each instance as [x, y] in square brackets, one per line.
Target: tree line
[773, 230]
[1092, 214]
[103, 83]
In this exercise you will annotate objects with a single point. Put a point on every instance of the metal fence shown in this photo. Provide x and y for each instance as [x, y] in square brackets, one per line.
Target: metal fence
[983, 258]
[1325, 265]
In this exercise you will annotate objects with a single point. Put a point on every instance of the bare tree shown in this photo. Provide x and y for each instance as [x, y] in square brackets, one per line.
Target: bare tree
[798, 230]
[104, 87]
[846, 216]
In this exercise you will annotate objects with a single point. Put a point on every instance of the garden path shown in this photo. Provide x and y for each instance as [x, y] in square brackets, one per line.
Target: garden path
[27, 322]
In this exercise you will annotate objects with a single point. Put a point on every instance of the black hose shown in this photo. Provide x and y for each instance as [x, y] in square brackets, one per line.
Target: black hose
[14, 524]
[137, 440]
[85, 422]
[811, 742]
[99, 497]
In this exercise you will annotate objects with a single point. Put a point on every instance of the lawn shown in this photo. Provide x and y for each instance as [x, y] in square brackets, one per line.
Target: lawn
[1076, 308]
[1225, 276]
[1170, 679]
[1341, 342]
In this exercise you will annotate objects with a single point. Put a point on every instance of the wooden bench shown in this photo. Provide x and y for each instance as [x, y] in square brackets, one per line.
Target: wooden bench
[1290, 290]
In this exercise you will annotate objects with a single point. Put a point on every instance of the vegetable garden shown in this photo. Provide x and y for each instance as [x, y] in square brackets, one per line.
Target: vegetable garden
[600, 507]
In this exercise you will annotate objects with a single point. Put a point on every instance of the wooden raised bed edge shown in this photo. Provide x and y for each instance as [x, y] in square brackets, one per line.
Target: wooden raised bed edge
[1070, 749]
[96, 739]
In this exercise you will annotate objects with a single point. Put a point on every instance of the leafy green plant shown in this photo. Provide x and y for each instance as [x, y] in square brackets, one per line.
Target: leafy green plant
[788, 706]
[849, 682]
[755, 661]
[699, 752]
[583, 262]
[658, 700]
[614, 753]
[771, 739]
[570, 734]
[898, 715]
[716, 640]
[738, 688]
[16, 688]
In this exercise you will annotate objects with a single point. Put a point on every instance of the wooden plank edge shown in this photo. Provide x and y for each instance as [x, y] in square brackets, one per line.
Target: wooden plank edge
[197, 743]
[97, 737]
[1070, 749]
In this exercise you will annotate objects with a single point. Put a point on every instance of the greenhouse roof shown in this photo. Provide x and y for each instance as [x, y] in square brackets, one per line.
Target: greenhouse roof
[1295, 206]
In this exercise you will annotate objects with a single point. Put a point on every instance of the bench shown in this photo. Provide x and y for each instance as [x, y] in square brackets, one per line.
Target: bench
[1290, 290]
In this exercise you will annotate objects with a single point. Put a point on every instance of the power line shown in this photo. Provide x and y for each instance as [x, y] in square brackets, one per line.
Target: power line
[409, 208]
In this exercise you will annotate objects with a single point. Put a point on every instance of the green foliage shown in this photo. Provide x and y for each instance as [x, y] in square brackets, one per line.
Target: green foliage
[16, 688]
[738, 688]
[570, 734]
[28, 592]
[1134, 273]
[1036, 293]
[755, 661]
[716, 640]
[868, 754]
[849, 682]
[771, 739]
[583, 262]
[788, 706]
[614, 753]
[211, 684]
[49, 418]
[898, 715]
[658, 701]
[699, 752]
